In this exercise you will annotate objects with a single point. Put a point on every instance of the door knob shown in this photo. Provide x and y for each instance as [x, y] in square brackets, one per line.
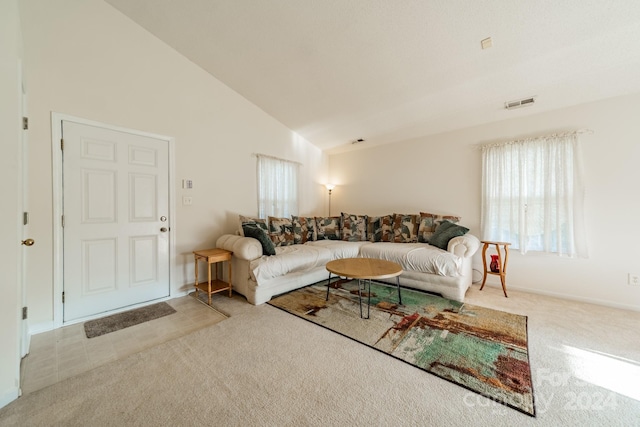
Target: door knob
[163, 229]
[28, 242]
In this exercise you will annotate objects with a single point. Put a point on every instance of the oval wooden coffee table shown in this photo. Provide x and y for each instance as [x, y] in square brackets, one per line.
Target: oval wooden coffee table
[364, 270]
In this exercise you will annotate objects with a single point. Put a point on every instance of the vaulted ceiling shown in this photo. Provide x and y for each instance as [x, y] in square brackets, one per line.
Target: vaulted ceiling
[387, 70]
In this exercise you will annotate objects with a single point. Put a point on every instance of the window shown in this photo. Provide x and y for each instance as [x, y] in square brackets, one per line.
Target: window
[532, 195]
[277, 187]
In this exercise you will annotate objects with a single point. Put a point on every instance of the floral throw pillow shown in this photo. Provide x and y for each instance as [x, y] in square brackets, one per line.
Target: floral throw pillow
[354, 227]
[380, 228]
[328, 228]
[405, 228]
[281, 231]
[429, 222]
[304, 229]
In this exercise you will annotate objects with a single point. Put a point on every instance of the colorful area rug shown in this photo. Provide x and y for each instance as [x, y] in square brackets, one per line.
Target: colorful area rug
[478, 348]
[115, 322]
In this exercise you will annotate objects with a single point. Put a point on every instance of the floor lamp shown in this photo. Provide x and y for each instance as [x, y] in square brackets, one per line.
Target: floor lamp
[330, 187]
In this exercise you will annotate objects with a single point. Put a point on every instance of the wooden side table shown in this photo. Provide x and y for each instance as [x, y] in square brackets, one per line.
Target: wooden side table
[502, 264]
[211, 286]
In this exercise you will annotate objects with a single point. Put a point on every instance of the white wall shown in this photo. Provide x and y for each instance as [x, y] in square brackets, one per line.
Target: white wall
[442, 173]
[10, 231]
[86, 59]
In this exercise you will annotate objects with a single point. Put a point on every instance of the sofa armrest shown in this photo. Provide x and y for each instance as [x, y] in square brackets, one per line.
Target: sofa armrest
[242, 247]
[464, 246]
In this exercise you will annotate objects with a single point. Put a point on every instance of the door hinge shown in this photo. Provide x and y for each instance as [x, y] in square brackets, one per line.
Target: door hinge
[62, 144]
[25, 123]
[62, 220]
[63, 297]
[24, 313]
[25, 218]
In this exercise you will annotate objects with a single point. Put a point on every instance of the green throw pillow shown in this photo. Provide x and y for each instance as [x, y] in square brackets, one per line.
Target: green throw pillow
[260, 235]
[445, 232]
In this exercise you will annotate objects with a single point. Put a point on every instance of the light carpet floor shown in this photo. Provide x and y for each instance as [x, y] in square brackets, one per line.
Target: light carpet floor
[263, 366]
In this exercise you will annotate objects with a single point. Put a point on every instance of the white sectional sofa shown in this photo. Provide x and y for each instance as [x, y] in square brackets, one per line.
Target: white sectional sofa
[260, 277]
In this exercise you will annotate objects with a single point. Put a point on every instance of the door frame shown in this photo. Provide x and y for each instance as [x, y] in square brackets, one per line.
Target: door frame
[58, 232]
[25, 336]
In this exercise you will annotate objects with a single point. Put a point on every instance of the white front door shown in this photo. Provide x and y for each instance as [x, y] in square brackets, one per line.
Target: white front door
[116, 219]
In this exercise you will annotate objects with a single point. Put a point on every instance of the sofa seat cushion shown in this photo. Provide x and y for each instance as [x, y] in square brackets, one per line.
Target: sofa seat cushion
[340, 249]
[289, 259]
[418, 257]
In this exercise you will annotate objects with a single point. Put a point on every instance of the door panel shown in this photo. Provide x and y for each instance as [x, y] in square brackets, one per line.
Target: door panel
[142, 197]
[144, 266]
[99, 197]
[115, 187]
[99, 262]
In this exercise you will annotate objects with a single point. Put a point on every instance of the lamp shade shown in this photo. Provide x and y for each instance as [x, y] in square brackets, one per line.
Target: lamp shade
[330, 186]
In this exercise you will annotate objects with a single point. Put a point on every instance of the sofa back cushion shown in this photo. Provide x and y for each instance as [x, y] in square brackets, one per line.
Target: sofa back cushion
[429, 222]
[380, 228]
[281, 231]
[328, 228]
[354, 227]
[304, 229]
[405, 228]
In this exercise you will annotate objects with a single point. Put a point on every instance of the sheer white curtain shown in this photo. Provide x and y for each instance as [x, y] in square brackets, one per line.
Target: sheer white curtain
[277, 187]
[533, 195]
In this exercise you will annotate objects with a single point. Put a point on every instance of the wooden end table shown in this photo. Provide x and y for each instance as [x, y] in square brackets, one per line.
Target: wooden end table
[212, 286]
[502, 264]
[364, 269]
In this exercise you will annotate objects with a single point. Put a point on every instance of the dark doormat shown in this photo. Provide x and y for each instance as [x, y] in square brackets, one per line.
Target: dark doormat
[115, 322]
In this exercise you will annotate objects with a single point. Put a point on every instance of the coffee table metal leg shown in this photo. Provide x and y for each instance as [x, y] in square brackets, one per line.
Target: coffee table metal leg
[360, 296]
[399, 296]
[369, 299]
[328, 284]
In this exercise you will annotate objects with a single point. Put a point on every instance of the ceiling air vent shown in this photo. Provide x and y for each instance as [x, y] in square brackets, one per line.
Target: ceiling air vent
[519, 103]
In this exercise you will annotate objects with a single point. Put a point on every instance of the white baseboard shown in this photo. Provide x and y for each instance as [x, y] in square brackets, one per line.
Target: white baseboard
[569, 297]
[41, 327]
[9, 396]
[178, 294]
